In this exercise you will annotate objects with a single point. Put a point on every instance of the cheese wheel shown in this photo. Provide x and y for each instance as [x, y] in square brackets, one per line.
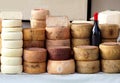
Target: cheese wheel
[27, 35]
[78, 42]
[61, 67]
[13, 61]
[86, 53]
[11, 69]
[110, 50]
[59, 53]
[110, 66]
[11, 52]
[109, 30]
[109, 40]
[11, 35]
[16, 29]
[11, 23]
[50, 43]
[88, 67]
[35, 55]
[58, 33]
[34, 68]
[81, 30]
[28, 44]
[37, 23]
[39, 14]
[12, 43]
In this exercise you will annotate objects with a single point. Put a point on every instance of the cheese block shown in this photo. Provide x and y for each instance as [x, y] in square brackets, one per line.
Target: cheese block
[37, 23]
[35, 54]
[59, 53]
[39, 14]
[58, 33]
[11, 23]
[61, 67]
[88, 67]
[109, 40]
[34, 68]
[81, 30]
[86, 53]
[11, 69]
[12, 43]
[16, 29]
[110, 66]
[109, 30]
[11, 35]
[28, 44]
[11, 52]
[78, 42]
[50, 43]
[110, 50]
[13, 61]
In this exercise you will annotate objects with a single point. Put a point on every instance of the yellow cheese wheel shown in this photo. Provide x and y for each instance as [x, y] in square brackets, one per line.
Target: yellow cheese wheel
[109, 40]
[86, 53]
[61, 67]
[88, 67]
[110, 50]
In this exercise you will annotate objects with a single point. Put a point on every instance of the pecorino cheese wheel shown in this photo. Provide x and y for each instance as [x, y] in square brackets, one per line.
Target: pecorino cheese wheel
[110, 66]
[35, 55]
[109, 30]
[34, 68]
[86, 53]
[109, 40]
[88, 67]
[58, 33]
[61, 67]
[59, 53]
[81, 30]
[110, 50]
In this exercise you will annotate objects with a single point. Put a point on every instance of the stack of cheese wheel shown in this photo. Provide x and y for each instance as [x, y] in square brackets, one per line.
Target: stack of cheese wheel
[11, 59]
[87, 59]
[38, 18]
[109, 32]
[58, 46]
[110, 53]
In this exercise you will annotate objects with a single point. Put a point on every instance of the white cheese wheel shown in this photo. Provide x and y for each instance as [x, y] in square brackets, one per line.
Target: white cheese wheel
[11, 69]
[11, 52]
[16, 29]
[13, 61]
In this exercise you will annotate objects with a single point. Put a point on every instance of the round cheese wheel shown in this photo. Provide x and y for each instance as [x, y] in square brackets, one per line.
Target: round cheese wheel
[88, 67]
[78, 42]
[86, 53]
[109, 30]
[11, 23]
[12, 43]
[110, 66]
[11, 69]
[39, 14]
[11, 52]
[12, 61]
[16, 29]
[11, 35]
[81, 30]
[58, 33]
[110, 50]
[35, 55]
[59, 53]
[109, 40]
[34, 68]
[61, 67]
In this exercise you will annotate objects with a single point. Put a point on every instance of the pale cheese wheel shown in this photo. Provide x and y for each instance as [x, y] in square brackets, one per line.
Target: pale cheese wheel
[110, 50]
[11, 23]
[110, 66]
[109, 30]
[81, 30]
[109, 40]
[34, 68]
[86, 53]
[12, 61]
[12, 43]
[16, 29]
[88, 67]
[11, 69]
[61, 67]
[11, 52]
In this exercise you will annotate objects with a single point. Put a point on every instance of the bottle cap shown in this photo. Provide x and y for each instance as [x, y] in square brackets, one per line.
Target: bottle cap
[96, 16]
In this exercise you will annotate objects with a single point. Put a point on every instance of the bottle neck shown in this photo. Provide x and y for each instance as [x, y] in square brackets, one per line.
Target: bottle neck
[95, 22]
